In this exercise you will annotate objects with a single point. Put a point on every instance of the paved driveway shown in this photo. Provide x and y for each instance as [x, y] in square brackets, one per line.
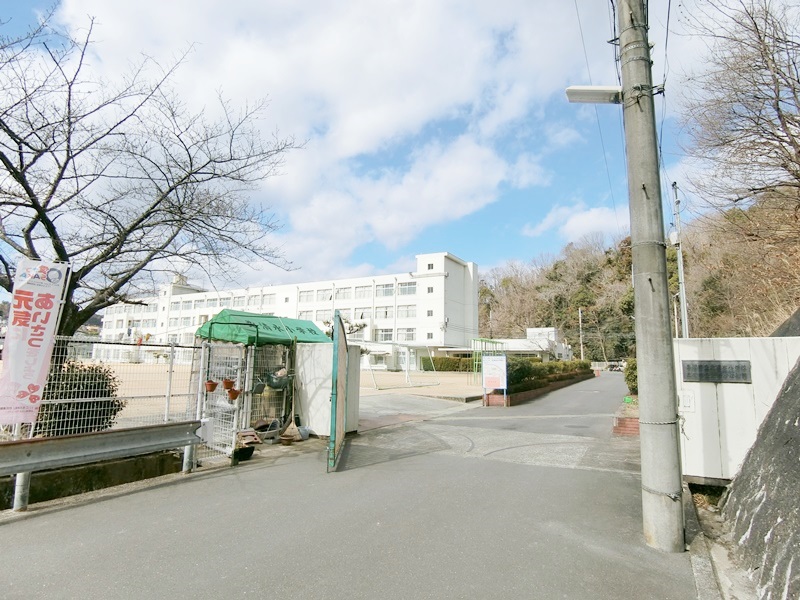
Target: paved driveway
[468, 502]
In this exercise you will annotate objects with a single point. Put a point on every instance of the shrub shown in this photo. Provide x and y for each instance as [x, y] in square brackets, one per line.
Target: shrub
[632, 377]
[518, 370]
[446, 363]
[86, 401]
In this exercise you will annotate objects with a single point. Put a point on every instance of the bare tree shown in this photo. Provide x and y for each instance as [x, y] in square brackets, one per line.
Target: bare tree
[743, 110]
[120, 178]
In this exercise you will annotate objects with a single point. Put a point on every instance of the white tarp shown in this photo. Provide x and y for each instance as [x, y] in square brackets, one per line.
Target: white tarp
[32, 322]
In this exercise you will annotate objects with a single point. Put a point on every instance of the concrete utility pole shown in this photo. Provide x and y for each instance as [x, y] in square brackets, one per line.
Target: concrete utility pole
[681, 283]
[662, 507]
[580, 328]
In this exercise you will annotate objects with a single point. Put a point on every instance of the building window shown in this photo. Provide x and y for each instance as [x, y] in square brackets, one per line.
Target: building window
[308, 315]
[408, 334]
[430, 266]
[363, 313]
[224, 302]
[172, 338]
[286, 299]
[323, 295]
[407, 311]
[268, 298]
[174, 305]
[430, 336]
[382, 290]
[199, 303]
[384, 312]
[188, 338]
[345, 313]
[239, 301]
[344, 293]
[202, 319]
[324, 315]
[430, 313]
[363, 291]
[383, 335]
[407, 289]
[186, 305]
[254, 300]
[211, 303]
[174, 321]
[306, 296]
[120, 324]
[430, 290]
[356, 335]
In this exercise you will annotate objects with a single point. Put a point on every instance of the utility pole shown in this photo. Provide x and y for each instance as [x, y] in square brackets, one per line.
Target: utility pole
[662, 506]
[580, 328]
[681, 284]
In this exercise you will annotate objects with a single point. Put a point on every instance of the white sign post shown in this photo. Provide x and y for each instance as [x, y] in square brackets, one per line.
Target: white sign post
[494, 374]
[32, 322]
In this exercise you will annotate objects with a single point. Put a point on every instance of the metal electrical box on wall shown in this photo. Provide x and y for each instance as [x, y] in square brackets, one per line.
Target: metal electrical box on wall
[726, 387]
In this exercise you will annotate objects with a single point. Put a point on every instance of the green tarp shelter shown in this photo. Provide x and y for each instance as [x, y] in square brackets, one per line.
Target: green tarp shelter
[253, 329]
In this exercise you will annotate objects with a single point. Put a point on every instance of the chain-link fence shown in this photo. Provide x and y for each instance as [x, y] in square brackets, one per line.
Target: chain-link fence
[94, 386]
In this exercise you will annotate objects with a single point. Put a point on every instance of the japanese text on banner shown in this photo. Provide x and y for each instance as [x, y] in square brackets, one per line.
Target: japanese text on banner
[32, 322]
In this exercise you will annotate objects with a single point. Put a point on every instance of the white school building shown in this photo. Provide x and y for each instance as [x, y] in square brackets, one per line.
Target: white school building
[405, 315]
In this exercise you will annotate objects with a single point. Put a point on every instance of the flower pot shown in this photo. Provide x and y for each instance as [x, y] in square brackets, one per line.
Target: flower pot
[286, 440]
[227, 384]
[211, 385]
[233, 394]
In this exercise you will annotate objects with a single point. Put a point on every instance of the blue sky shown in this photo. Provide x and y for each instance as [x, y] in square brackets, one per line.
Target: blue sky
[430, 125]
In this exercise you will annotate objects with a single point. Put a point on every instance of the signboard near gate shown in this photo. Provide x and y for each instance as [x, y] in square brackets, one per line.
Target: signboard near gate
[32, 322]
[494, 372]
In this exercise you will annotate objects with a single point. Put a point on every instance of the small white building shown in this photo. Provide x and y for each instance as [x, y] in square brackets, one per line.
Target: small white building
[435, 306]
[544, 342]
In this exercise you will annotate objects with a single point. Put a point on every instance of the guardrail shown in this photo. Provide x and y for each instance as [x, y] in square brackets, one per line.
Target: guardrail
[25, 456]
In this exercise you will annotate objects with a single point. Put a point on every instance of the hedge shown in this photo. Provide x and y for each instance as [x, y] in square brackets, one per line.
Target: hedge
[520, 369]
[632, 376]
[446, 363]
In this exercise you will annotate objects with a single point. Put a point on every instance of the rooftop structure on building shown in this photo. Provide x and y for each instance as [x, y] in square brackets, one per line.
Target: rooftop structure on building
[435, 306]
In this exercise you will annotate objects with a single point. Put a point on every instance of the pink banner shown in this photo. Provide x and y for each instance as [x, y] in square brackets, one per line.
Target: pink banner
[32, 322]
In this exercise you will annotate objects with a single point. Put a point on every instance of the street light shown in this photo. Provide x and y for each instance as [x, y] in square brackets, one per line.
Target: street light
[595, 94]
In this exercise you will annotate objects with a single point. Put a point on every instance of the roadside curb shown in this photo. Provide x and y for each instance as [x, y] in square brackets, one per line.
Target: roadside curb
[705, 577]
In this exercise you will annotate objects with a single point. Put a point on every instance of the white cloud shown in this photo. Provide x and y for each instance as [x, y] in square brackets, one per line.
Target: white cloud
[576, 221]
[358, 79]
[527, 171]
[556, 216]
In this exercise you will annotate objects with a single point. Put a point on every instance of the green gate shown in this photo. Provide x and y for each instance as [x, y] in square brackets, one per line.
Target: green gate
[338, 392]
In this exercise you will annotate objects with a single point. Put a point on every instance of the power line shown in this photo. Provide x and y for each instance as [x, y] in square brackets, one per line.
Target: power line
[597, 119]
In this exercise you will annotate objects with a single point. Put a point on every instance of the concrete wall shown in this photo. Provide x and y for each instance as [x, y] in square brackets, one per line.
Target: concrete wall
[762, 506]
[721, 420]
[313, 370]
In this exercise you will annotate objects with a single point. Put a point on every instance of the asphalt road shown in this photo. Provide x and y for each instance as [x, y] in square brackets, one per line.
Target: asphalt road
[535, 501]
